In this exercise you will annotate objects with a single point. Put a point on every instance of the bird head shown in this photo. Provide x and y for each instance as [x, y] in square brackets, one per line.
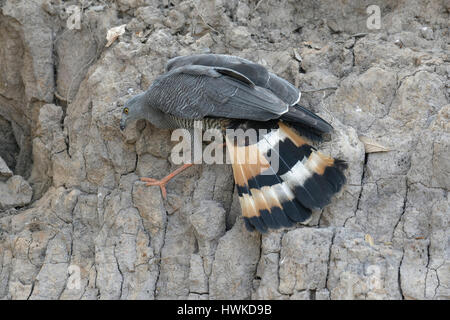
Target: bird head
[132, 110]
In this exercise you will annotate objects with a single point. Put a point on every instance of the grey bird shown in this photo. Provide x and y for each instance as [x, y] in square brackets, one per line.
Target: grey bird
[229, 92]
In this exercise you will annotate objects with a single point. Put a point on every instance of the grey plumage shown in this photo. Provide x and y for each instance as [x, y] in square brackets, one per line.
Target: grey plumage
[196, 92]
[219, 86]
[255, 72]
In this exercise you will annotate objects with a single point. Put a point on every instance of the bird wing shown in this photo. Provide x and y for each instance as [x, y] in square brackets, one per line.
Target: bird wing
[197, 91]
[253, 71]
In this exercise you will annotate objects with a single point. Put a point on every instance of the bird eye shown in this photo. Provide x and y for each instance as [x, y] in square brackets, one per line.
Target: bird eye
[125, 110]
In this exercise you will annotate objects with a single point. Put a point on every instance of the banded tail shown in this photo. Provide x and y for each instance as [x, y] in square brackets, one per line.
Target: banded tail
[306, 179]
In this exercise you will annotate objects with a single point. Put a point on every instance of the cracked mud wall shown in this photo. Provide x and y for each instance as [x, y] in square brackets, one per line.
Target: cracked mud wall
[71, 204]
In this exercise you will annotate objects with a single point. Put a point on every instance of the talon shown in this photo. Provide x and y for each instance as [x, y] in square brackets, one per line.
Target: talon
[163, 191]
[154, 182]
[145, 179]
[162, 183]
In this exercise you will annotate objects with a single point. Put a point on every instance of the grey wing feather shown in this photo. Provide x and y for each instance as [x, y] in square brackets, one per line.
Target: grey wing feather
[283, 89]
[239, 64]
[198, 70]
[235, 75]
[195, 91]
[253, 71]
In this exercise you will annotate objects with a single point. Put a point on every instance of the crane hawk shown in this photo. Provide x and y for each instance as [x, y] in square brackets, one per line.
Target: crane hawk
[229, 92]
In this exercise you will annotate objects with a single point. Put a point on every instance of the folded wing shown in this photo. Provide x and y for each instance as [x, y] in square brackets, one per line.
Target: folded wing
[195, 92]
[260, 77]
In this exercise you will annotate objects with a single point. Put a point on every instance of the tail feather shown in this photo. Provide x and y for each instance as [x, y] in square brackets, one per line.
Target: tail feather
[260, 205]
[300, 115]
[274, 197]
[292, 149]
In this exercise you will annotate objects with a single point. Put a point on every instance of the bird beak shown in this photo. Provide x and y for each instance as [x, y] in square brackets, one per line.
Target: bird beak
[122, 124]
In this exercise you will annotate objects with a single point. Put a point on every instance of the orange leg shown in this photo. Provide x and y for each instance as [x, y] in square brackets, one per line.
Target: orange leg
[162, 183]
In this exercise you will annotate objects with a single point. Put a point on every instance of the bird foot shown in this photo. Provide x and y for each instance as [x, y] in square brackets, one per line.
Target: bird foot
[162, 183]
[155, 182]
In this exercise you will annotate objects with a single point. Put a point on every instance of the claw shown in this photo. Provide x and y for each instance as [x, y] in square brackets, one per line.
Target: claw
[162, 183]
[150, 180]
[154, 182]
